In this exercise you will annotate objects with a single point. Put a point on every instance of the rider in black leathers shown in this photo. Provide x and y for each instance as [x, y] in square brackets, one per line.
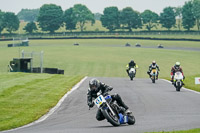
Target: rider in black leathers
[96, 86]
[130, 65]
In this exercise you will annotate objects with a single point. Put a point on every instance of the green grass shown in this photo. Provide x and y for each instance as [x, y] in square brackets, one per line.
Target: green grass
[29, 96]
[109, 42]
[187, 131]
[190, 83]
[25, 97]
[107, 58]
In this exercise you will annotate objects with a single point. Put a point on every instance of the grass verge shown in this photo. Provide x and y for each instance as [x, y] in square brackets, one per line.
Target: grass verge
[26, 101]
[190, 82]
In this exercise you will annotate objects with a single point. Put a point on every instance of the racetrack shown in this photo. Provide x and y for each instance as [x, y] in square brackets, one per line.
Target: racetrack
[157, 107]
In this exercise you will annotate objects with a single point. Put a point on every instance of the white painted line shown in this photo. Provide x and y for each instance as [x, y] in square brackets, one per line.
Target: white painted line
[183, 87]
[51, 110]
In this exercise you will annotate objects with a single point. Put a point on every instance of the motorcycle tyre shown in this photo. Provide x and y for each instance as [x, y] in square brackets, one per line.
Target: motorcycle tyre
[107, 116]
[131, 120]
[153, 79]
[178, 88]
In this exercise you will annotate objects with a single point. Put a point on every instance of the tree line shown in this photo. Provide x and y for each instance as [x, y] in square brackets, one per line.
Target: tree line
[51, 17]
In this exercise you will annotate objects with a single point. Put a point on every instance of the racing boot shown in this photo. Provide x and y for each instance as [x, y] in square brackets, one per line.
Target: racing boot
[128, 111]
[127, 72]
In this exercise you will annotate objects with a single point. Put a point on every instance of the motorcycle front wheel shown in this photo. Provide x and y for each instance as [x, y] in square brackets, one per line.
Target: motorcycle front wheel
[153, 79]
[178, 87]
[114, 120]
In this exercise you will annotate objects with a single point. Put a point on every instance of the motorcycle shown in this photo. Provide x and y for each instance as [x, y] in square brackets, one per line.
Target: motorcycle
[178, 81]
[113, 112]
[132, 72]
[153, 75]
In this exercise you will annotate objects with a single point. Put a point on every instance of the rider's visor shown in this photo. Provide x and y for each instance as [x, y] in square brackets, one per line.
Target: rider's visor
[93, 87]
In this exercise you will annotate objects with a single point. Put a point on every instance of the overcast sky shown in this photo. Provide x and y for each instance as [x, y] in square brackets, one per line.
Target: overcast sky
[94, 5]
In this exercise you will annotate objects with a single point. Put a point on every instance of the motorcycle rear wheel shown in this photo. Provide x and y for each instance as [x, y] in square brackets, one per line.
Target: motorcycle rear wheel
[131, 120]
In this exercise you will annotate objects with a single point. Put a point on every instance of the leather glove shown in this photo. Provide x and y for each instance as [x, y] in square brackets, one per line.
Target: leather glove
[183, 77]
[91, 104]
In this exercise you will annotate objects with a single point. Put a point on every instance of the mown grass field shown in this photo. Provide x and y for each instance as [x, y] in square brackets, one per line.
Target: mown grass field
[108, 58]
[25, 97]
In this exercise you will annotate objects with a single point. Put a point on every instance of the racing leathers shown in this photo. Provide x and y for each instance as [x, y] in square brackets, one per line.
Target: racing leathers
[104, 89]
[153, 66]
[130, 65]
[174, 70]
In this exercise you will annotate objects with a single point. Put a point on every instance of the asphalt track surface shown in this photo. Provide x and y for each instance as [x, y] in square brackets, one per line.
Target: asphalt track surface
[156, 107]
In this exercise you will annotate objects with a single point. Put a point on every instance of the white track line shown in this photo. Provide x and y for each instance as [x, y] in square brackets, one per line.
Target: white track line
[51, 110]
[183, 87]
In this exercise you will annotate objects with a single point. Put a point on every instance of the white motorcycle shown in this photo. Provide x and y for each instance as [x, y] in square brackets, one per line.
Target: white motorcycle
[132, 73]
[178, 81]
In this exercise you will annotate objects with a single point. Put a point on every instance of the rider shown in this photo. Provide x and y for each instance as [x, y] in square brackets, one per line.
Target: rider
[153, 66]
[96, 86]
[130, 65]
[176, 68]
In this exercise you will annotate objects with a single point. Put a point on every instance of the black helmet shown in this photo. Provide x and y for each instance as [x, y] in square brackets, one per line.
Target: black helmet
[94, 84]
[132, 61]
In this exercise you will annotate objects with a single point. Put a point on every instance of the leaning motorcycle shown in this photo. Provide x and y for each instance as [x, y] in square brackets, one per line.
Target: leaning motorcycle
[153, 74]
[114, 113]
[178, 81]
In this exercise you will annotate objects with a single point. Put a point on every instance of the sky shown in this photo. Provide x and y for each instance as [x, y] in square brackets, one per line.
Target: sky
[96, 6]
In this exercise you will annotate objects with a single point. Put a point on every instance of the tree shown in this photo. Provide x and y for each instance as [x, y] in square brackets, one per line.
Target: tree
[130, 19]
[82, 15]
[196, 11]
[50, 17]
[2, 21]
[188, 20]
[167, 18]
[150, 19]
[110, 18]
[69, 19]
[28, 14]
[178, 15]
[30, 27]
[12, 22]
[97, 16]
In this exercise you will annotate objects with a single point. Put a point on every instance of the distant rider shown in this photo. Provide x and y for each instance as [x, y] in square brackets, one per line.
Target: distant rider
[96, 86]
[130, 65]
[153, 65]
[176, 68]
